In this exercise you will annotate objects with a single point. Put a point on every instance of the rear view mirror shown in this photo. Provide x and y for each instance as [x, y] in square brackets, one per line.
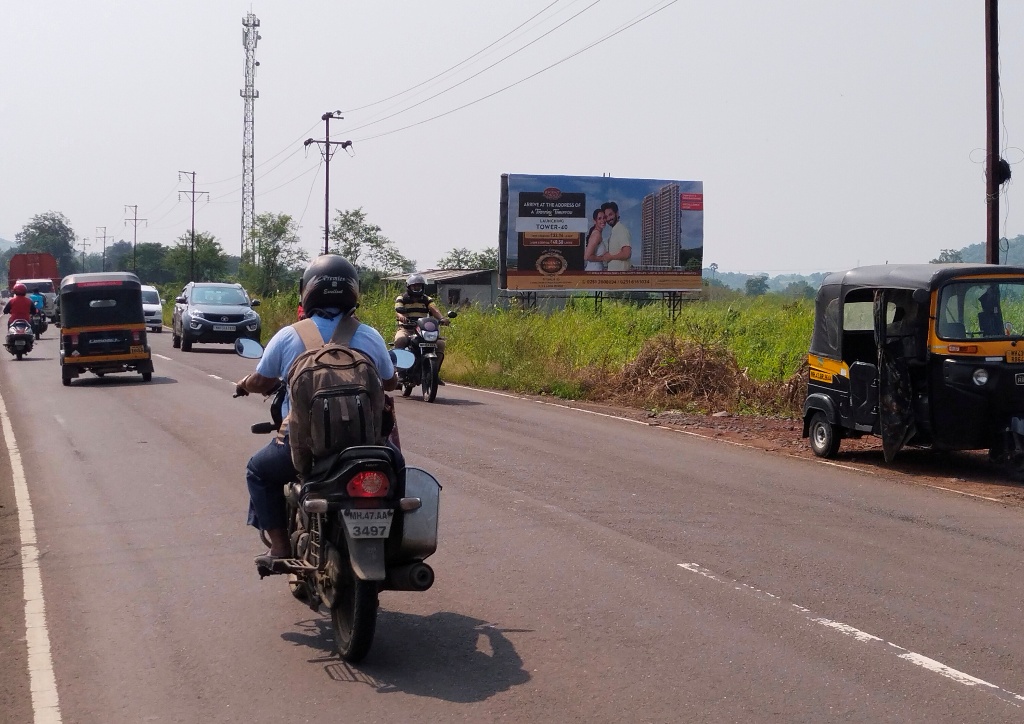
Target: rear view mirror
[452, 314]
[403, 358]
[179, 300]
[248, 348]
[255, 303]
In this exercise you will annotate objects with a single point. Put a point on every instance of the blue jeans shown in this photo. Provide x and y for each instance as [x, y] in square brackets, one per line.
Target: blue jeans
[268, 471]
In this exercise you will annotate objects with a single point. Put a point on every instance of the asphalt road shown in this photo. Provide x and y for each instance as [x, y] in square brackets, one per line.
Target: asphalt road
[590, 569]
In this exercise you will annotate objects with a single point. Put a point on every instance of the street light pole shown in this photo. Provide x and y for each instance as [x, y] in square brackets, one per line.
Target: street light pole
[327, 151]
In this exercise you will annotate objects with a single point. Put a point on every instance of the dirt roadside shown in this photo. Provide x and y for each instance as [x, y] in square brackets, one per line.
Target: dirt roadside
[968, 473]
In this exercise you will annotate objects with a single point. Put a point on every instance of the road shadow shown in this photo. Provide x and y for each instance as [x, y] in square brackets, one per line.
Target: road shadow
[116, 380]
[965, 465]
[212, 350]
[455, 402]
[445, 656]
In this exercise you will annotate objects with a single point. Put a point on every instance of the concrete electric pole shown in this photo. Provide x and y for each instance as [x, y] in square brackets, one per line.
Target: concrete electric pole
[327, 150]
[135, 231]
[193, 195]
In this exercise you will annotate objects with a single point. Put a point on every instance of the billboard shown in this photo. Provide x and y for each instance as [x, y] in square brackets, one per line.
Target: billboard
[600, 233]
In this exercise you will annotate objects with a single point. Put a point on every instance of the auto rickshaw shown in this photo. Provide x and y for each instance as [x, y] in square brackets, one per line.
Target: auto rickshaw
[927, 355]
[103, 327]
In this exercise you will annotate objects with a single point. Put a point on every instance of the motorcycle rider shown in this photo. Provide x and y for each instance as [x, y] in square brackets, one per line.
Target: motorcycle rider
[20, 306]
[413, 305]
[38, 299]
[270, 469]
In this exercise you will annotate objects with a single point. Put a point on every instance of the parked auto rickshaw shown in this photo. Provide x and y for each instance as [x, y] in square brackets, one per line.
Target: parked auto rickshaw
[103, 327]
[928, 355]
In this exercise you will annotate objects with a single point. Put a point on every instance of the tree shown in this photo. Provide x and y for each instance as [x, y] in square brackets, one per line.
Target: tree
[799, 289]
[948, 256]
[50, 233]
[210, 259]
[756, 286]
[119, 256]
[466, 259]
[279, 259]
[151, 263]
[363, 244]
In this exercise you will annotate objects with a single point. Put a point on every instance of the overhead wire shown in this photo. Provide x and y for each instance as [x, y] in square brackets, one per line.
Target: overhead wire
[457, 65]
[310, 194]
[474, 75]
[582, 50]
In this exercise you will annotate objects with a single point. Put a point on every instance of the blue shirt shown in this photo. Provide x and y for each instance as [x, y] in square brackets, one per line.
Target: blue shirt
[285, 347]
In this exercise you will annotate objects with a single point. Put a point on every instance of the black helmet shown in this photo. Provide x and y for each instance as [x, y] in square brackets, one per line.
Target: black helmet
[330, 281]
[414, 280]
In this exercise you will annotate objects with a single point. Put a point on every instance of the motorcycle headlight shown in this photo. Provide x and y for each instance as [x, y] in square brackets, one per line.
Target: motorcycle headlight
[429, 336]
[980, 377]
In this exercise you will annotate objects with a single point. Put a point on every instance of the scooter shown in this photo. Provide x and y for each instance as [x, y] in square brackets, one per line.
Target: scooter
[19, 338]
[39, 324]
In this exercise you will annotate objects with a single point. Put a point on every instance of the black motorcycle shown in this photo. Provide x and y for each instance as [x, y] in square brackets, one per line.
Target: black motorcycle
[39, 324]
[423, 373]
[19, 338]
[359, 524]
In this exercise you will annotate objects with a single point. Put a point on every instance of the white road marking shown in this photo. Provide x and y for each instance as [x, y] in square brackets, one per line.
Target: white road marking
[215, 377]
[864, 637]
[42, 682]
[162, 357]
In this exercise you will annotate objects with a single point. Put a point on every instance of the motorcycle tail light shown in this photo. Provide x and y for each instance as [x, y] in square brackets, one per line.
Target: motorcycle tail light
[368, 484]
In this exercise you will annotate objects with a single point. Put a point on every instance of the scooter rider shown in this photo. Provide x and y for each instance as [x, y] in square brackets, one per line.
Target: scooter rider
[413, 305]
[270, 469]
[20, 306]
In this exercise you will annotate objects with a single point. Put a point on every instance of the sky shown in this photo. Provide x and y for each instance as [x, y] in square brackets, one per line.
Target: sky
[827, 133]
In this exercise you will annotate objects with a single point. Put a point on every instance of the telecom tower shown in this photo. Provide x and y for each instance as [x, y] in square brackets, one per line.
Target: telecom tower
[250, 36]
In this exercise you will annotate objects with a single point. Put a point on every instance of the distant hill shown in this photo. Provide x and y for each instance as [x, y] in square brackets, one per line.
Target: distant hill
[5, 245]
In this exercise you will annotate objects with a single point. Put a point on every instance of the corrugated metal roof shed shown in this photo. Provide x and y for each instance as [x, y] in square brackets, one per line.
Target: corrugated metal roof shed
[442, 275]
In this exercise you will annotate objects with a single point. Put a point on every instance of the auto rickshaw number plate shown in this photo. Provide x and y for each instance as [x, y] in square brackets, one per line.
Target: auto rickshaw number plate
[1019, 378]
[1015, 356]
[137, 349]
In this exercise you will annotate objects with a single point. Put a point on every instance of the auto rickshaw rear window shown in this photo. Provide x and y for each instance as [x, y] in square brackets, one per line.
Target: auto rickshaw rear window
[98, 307]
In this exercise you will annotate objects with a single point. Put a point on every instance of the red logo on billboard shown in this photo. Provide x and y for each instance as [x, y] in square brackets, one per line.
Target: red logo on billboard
[552, 194]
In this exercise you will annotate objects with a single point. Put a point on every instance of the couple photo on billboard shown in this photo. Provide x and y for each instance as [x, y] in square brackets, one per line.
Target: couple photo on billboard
[599, 232]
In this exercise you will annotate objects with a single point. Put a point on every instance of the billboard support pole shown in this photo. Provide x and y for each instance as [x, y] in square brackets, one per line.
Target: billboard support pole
[598, 300]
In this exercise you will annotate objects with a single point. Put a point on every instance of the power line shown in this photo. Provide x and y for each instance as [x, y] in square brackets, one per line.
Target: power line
[523, 80]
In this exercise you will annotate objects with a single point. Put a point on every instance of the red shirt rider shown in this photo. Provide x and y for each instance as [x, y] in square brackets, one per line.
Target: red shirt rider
[19, 306]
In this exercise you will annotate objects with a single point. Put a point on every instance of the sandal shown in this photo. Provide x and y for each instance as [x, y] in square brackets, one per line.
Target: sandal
[268, 565]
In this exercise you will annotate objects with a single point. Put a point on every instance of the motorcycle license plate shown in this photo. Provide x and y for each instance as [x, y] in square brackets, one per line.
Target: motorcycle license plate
[368, 523]
[19, 343]
[223, 328]
[137, 349]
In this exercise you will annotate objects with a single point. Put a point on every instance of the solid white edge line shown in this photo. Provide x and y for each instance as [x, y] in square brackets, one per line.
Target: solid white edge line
[42, 682]
[936, 667]
[161, 356]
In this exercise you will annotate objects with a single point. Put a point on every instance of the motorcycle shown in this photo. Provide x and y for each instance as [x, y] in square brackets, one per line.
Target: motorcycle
[424, 333]
[39, 324]
[358, 525]
[19, 338]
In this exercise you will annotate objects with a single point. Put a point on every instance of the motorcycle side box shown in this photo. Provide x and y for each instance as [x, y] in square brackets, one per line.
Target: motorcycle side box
[419, 527]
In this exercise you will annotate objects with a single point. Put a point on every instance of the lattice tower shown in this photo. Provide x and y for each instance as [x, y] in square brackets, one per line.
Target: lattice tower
[250, 36]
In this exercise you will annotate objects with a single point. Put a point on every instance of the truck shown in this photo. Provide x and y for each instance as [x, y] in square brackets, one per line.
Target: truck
[38, 272]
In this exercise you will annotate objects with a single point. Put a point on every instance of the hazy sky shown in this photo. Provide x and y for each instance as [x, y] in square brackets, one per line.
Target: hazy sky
[827, 133]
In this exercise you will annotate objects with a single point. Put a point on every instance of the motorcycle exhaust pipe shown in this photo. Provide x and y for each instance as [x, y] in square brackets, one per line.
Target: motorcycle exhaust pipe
[411, 577]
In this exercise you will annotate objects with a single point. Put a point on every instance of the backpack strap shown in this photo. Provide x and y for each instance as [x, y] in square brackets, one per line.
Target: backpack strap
[345, 331]
[309, 333]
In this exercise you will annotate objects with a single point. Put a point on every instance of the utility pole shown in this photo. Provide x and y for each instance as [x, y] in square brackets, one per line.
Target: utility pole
[997, 171]
[327, 150]
[193, 195]
[84, 245]
[103, 259]
[135, 233]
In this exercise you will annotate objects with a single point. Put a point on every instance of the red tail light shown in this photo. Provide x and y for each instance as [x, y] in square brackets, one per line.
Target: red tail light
[368, 484]
[136, 336]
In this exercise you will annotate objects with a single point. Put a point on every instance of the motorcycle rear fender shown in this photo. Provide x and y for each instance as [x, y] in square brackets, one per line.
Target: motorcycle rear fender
[367, 557]
[430, 355]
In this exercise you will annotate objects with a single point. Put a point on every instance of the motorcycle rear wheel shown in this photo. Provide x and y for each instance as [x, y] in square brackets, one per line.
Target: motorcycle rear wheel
[354, 616]
[429, 382]
[19, 354]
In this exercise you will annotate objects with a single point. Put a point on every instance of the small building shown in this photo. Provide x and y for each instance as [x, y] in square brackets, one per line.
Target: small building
[453, 288]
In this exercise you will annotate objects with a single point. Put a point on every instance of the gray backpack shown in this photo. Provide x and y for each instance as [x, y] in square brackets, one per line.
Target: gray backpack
[337, 400]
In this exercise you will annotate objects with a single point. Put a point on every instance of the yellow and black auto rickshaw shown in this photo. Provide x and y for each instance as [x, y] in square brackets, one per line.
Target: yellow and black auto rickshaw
[103, 327]
[928, 355]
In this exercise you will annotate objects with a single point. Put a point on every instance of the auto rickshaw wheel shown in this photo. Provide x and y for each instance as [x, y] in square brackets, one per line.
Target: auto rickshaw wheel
[823, 435]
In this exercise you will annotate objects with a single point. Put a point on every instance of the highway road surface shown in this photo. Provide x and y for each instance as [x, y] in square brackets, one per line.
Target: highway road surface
[591, 569]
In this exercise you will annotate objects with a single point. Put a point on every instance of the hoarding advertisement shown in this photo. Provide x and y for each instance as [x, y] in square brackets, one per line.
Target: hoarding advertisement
[601, 233]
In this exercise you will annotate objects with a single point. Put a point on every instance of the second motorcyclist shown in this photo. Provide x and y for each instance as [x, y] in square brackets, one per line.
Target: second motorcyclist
[412, 305]
[330, 292]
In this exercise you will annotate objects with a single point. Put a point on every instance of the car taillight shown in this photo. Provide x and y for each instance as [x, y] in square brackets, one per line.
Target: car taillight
[368, 484]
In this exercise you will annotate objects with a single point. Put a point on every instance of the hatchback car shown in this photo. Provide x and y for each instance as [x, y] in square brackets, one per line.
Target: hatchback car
[208, 312]
[153, 308]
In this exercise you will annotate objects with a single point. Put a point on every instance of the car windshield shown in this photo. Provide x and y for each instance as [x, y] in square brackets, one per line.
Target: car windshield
[978, 309]
[219, 295]
[45, 287]
[150, 297]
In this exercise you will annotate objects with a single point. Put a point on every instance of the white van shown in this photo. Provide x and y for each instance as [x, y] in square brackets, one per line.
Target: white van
[153, 307]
